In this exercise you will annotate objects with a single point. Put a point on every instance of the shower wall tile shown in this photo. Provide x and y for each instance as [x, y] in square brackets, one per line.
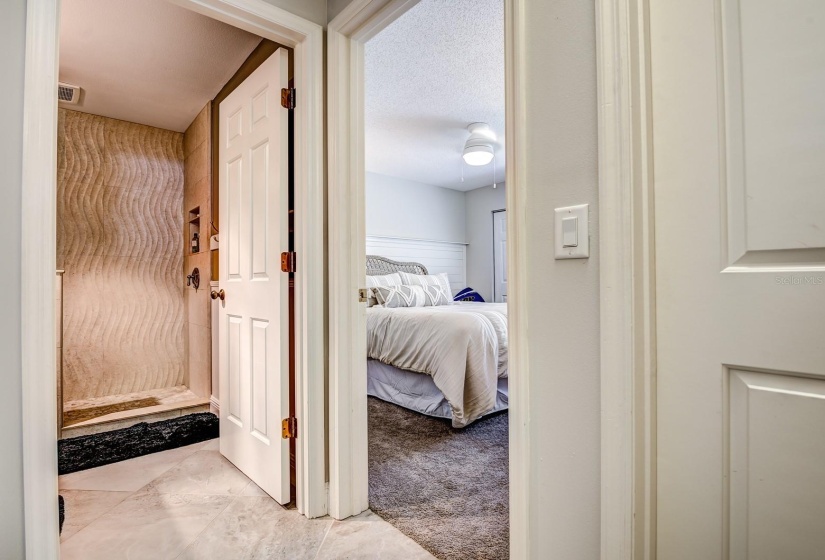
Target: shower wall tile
[198, 303]
[141, 223]
[80, 152]
[197, 193]
[197, 164]
[142, 157]
[198, 132]
[119, 199]
[199, 348]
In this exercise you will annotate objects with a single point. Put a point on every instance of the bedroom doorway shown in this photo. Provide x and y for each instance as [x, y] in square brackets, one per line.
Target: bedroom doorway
[432, 383]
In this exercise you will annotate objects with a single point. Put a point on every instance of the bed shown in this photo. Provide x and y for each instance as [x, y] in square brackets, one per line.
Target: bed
[448, 361]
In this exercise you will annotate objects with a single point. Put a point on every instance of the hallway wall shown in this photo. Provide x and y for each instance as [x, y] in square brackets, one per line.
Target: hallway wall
[119, 223]
[12, 56]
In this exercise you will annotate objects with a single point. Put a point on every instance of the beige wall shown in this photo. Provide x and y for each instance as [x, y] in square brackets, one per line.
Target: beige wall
[313, 10]
[12, 56]
[197, 193]
[119, 199]
[335, 7]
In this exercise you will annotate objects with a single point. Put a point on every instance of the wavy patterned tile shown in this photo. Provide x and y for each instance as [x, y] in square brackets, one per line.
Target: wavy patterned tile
[120, 217]
[81, 152]
[142, 157]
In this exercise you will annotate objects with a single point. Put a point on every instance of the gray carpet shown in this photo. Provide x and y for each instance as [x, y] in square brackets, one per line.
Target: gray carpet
[447, 489]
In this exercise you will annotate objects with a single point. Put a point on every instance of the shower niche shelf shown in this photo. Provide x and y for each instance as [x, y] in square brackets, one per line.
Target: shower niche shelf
[194, 242]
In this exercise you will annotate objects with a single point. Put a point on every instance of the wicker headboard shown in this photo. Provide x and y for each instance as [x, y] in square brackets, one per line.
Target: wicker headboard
[376, 266]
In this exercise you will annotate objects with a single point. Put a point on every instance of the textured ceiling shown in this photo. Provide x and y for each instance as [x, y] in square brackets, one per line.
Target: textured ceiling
[435, 70]
[147, 61]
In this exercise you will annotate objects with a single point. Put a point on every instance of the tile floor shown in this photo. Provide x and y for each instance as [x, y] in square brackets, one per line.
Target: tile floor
[191, 503]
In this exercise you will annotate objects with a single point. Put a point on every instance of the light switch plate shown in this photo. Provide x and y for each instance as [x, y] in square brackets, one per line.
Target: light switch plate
[582, 249]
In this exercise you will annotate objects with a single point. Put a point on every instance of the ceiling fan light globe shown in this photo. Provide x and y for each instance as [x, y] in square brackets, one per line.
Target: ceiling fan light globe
[478, 155]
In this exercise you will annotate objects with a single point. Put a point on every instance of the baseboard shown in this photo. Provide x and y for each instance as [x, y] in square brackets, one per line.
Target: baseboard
[215, 406]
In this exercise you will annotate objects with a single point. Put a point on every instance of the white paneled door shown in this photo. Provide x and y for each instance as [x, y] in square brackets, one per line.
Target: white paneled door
[739, 171]
[254, 322]
[500, 256]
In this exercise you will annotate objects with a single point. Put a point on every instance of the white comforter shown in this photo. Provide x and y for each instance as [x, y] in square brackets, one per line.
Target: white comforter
[462, 346]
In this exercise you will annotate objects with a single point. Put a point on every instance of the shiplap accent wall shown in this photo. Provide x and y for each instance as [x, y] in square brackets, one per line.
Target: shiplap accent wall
[437, 256]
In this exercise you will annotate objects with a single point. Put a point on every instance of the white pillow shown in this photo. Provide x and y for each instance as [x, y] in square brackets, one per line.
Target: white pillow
[401, 296]
[386, 280]
[437, 286]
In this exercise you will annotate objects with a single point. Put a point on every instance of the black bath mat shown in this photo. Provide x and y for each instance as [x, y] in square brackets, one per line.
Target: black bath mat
[87, 452]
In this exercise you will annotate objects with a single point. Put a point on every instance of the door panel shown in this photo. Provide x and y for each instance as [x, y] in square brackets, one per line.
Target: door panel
[254, 376]
[777, 455]
[738, 128]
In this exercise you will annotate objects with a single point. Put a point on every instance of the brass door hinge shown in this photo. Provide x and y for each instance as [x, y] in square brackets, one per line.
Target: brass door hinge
[363, 295]
[288, 98]
[289, 428]
[288, 261]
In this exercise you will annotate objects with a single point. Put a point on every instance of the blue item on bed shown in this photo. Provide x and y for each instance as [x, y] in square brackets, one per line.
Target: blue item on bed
[468, 294]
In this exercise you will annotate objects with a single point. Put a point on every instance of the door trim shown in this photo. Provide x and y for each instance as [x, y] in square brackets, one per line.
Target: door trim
[38, 252]
[627, 283]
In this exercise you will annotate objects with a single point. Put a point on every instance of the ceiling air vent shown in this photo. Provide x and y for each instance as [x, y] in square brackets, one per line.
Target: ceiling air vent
[68, 93]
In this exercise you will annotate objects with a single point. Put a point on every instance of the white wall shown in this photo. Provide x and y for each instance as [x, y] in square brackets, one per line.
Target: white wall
[403, 208]
[480, 204]
[563, 296]
[12, 49]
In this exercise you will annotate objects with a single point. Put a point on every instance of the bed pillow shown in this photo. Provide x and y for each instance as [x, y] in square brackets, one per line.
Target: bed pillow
[401, 296]
[436, 286]
[385, 280]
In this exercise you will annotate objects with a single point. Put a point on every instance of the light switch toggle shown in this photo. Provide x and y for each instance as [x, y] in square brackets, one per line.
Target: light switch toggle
[571, 239]
[570, 232]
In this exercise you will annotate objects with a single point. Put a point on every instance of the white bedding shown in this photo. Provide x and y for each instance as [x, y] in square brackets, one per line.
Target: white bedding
[462, 346]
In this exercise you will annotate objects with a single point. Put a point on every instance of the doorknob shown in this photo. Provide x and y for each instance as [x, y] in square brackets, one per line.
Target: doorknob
[220, 294]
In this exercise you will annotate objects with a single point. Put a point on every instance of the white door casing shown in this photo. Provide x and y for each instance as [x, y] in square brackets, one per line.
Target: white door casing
[738, 138]
[254, 319]
[500, 256]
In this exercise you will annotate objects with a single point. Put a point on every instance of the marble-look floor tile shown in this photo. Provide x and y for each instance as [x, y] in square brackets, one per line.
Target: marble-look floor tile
[367, 536]
[212, 445]
[258, 528]
[205, 472]
[253, 490]
[84, 506]
[156, 526]
[128, 476]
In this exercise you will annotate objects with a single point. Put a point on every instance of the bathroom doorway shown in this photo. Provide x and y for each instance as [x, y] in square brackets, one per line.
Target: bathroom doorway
[137, 235]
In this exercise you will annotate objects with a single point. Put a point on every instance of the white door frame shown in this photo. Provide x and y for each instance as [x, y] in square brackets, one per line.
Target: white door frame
[627, 283]
[627, 303]
[38, 252]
